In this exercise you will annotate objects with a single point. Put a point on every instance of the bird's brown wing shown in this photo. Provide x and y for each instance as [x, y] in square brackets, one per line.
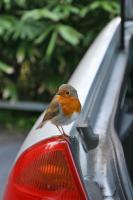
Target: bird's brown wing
[52, 111]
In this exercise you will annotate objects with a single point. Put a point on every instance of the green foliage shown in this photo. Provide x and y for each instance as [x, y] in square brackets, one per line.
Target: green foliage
[17, 122]
[41, 42]
[6, 68]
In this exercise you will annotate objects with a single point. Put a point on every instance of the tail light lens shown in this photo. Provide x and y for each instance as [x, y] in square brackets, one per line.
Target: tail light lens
[46, 171]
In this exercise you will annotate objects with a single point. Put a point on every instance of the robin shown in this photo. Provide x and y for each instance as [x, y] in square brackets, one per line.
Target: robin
[63, 109]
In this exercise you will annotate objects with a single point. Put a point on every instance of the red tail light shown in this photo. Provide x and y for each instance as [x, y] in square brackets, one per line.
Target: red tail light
[46, 171]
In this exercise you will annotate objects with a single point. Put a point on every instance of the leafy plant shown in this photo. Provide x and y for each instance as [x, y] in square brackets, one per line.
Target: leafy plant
[41, 42]
[18, 122]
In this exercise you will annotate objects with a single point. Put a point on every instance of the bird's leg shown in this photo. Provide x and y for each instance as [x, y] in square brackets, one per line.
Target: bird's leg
[63, 130]
[59, 129]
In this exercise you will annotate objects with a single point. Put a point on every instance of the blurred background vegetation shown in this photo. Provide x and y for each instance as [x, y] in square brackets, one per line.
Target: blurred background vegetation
[41, 43]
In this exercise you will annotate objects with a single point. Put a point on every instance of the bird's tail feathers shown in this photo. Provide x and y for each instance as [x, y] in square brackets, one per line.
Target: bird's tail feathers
[40, 125]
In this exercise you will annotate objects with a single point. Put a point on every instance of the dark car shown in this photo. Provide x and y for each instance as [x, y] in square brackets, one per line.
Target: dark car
[94, 161]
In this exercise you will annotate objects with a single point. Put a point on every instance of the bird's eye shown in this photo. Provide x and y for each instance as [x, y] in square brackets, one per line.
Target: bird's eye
[67, 93]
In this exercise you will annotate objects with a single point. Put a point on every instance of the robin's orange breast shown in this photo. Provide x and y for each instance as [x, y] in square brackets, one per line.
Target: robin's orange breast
[69, 105]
